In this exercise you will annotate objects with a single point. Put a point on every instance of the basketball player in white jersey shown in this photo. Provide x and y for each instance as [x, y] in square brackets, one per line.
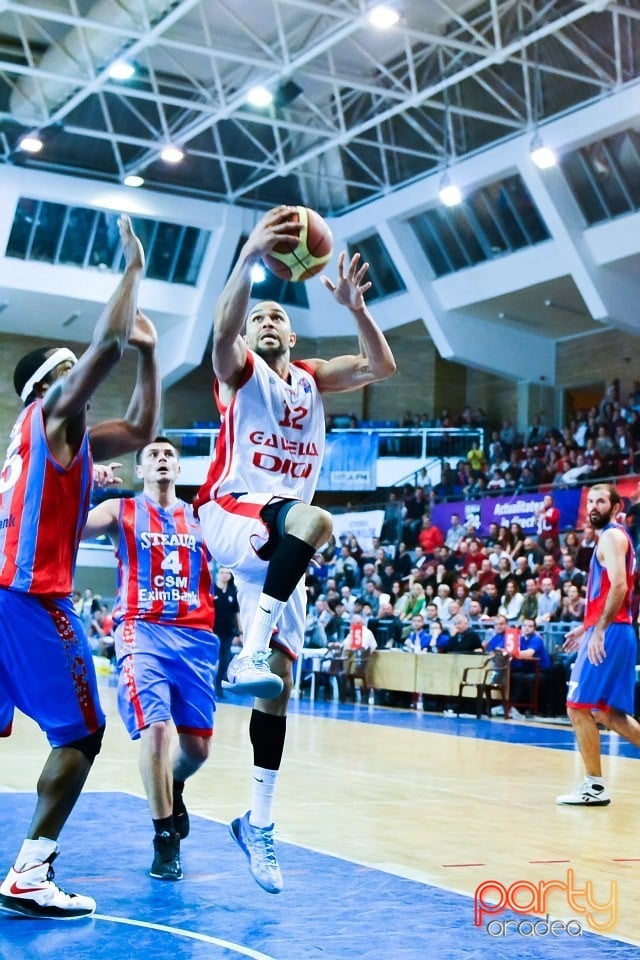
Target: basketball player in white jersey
[254, 507]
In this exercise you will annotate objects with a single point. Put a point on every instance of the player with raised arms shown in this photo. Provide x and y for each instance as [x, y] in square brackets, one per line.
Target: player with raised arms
[255, 506]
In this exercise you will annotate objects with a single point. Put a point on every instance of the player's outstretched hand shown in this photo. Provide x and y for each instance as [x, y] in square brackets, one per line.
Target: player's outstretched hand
[144, 335]
[104, 475]
[350, 287]
[131, 246]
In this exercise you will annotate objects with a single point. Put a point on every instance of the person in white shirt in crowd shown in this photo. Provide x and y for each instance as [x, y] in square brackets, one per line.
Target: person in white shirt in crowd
[548, 601]
[443, 601]
[348, 597]
[512, 601]
[455, 533]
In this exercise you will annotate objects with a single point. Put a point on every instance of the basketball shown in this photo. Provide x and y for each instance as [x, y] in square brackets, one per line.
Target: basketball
[301, 260]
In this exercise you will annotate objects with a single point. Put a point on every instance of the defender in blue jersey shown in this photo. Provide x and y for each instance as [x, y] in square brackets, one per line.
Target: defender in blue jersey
[46, 668]
[166, 650]
[602, 680]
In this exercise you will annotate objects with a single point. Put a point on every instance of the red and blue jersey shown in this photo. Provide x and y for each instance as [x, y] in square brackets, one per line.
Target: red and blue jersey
[43, 508]
[163, 572]
[598, 585]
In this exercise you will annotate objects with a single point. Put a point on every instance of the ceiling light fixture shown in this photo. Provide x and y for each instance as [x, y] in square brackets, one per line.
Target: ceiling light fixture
[449, 193]
[258, 273]
[121, 70]
[31, 144]
[543, 157]
[383, 16]
[133, 180]
[172, 154]
[566, 308]
[259, 97]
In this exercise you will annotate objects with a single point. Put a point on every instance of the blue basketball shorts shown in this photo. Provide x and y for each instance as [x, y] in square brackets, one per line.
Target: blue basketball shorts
[166, 673]
[610, 684]
[46, 668]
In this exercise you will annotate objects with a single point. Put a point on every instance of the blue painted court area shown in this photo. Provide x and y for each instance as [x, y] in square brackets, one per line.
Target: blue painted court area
[330, 908]
[532, 733]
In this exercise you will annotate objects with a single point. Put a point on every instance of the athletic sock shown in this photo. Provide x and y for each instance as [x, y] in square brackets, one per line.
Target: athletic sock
[263, 786]
[258, 636]
[165, 824]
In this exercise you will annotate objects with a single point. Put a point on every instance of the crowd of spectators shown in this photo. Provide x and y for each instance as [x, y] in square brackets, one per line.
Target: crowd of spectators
[602, 441]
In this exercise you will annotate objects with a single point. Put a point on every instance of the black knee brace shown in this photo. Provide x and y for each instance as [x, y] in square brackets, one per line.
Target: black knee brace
[89, 745]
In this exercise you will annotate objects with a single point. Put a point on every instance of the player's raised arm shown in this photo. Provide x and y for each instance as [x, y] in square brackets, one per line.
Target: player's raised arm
[69, 396]
[115, 437]
[375, 360]
[229, 350]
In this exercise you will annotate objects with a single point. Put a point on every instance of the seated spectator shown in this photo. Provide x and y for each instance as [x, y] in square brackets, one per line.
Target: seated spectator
[533, 553]
[474, 613]
[521, 572]
[418, 639]
[403, 561]
[443, 602]
[490, 603]
[570, 573]
[415, 507]
[487, 574]
[586, 547]
[393, 516]
[371, 595]
[529, 609]
[548, 601]
[578, 472]
[517, 540]
[359, 637]
[512, 601]
[455, 533]
[430, 537]
[572, 605]
[314, 631]
[549, 569]
[438, 636]
[101, 639]
[337, 627]
[346, 570]
[522, 669]
[497, 639]
[449, 487]
[463, 638]
[414, 603]
[504, 574]
[386, 627]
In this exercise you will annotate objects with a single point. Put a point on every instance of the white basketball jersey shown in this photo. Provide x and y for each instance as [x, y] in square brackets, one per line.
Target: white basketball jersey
[272, 436]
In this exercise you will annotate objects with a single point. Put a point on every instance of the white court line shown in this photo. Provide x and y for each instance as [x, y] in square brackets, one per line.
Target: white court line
[190, 934]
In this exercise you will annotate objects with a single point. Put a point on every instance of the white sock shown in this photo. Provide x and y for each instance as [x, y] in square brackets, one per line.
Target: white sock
[258, 637]
[597, 781]
[35, 851]
[263, 788]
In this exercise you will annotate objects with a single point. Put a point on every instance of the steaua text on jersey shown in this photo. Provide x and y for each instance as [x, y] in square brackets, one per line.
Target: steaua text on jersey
[163, 572]
[43, 508]
[598, 584]
[272, 435]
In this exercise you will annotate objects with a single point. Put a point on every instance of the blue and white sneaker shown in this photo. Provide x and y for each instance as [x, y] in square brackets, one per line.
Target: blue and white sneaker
[252, 676]
[257, 844]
